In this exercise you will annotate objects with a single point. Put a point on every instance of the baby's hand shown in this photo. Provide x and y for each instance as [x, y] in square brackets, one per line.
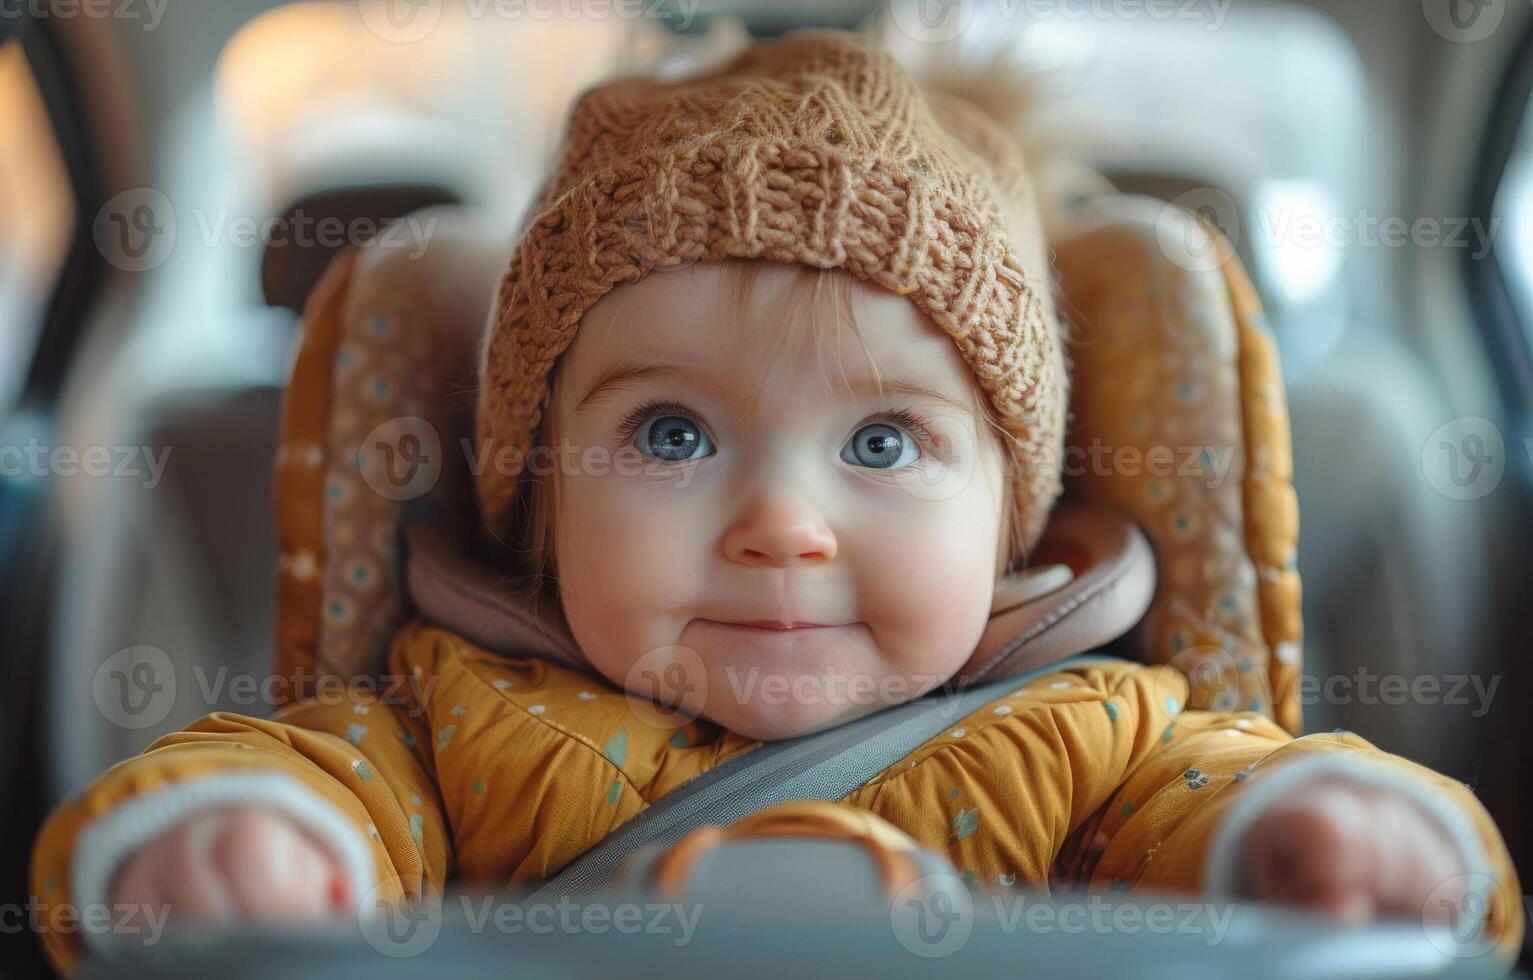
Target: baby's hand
[1355, 852]
[234, 863]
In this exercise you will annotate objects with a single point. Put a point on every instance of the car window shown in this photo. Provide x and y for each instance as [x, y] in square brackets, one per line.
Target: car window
[36, 217]
[1513, 211]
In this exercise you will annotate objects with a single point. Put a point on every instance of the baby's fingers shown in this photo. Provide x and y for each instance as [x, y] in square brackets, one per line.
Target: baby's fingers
[1420, 862]
[172, 875]
[272, 870]
[1318, 852]
[230, 864]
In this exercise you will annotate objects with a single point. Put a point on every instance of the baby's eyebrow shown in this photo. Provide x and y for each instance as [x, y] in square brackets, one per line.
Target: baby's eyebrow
[912, 387]
[622, 373]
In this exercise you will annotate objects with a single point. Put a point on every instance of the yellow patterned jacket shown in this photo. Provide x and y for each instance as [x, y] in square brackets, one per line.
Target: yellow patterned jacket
[499, 771]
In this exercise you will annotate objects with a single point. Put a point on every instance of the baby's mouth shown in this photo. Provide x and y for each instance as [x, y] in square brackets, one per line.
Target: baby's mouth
[774, 632]
[768, 624]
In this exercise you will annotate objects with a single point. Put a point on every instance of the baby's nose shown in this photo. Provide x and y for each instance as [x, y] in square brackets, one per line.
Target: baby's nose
[777, 531]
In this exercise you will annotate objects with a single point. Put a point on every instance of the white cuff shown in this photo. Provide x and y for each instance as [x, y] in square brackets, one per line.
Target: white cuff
[107, 840]
[1222, 869]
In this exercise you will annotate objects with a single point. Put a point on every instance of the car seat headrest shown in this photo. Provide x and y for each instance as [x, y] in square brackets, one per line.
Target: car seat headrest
[322, 222]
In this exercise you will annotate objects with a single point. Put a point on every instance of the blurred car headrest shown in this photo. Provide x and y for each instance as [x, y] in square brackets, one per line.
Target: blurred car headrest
[325, 222]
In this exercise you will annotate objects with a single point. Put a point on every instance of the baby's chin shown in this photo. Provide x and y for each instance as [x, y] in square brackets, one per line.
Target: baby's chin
[770, 720]
[777, 687]
[775, 684]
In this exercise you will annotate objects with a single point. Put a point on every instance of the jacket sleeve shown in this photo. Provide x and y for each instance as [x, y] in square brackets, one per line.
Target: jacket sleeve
[1178, 820]
[1095, 776]
[352, 764]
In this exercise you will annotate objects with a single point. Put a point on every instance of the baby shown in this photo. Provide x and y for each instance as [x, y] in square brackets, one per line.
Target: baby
[833, 414]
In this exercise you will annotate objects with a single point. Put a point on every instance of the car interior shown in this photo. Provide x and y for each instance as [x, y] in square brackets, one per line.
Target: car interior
[1370, 162]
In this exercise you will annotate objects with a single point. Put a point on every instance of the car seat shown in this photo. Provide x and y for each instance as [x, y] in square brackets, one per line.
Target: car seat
[1179, 437]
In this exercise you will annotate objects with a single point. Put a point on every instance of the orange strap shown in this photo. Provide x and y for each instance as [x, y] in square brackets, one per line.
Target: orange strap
[892, 851]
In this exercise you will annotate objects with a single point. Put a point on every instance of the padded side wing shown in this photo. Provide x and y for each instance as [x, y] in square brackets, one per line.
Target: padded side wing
[1179, 419]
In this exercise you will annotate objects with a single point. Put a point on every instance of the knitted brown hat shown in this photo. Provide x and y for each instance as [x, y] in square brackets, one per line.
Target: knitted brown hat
[814, 148]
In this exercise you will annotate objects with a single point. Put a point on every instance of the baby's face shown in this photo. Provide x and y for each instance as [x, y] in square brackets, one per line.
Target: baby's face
[750, 509]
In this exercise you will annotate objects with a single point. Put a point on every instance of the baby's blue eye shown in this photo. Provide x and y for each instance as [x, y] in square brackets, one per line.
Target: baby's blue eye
[673, 439]
[880, 446]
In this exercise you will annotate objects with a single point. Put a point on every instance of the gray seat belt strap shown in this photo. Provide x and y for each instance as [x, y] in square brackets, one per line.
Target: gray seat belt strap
[822, 766]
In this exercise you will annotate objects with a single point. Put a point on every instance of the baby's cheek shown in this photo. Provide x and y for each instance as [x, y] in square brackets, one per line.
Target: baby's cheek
[623, 564]
[926, 591]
